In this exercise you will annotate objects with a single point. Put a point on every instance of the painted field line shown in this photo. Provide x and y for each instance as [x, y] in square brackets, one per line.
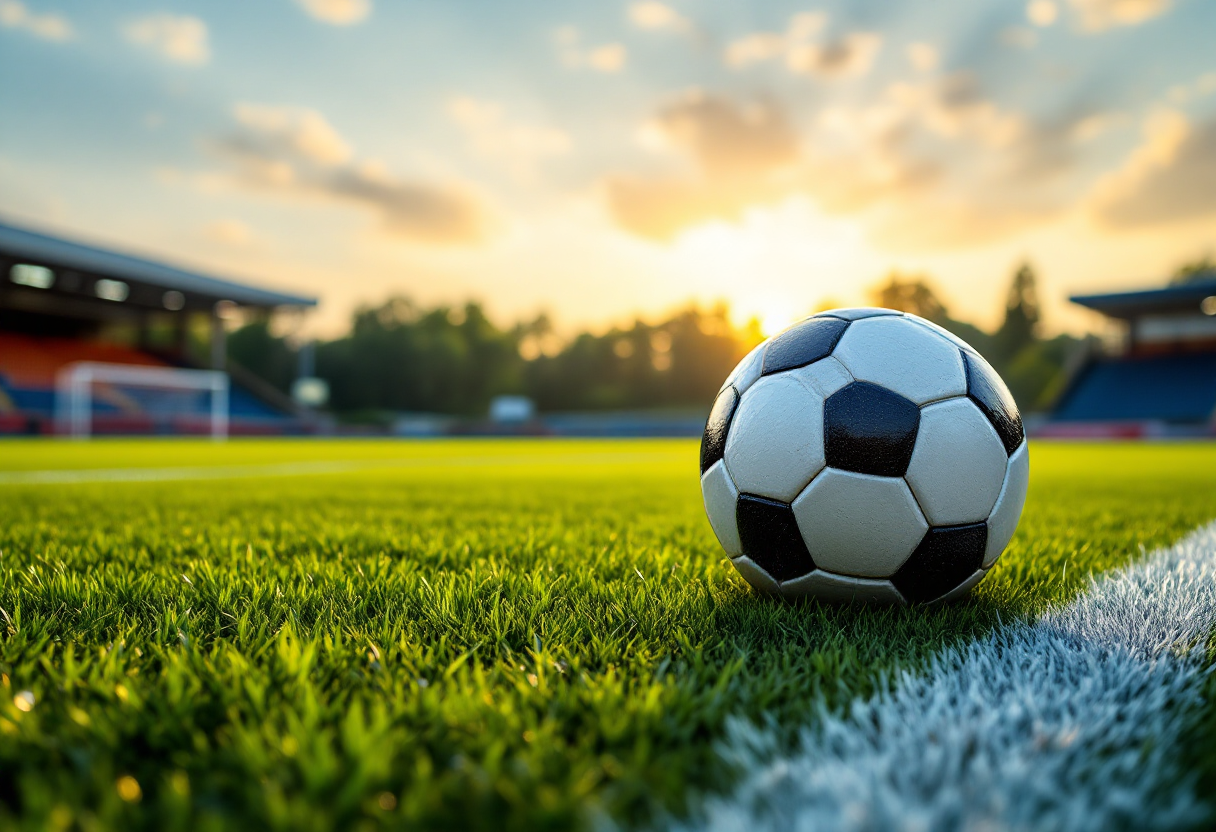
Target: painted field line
[61, 476]
[1072, 722]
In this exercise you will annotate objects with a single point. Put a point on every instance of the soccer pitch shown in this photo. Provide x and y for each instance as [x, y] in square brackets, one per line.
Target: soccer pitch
[458, 634]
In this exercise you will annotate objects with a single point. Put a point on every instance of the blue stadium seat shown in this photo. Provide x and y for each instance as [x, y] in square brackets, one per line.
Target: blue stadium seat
[34, 401]
[1169, 388]
[244, 405]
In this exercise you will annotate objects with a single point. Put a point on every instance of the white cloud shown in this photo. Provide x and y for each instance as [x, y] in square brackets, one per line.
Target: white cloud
[739, 150]
[495, 136]
[756, 47]
[295, 130]
[852, 54]
[295, 154]
[933, 162]
[229, 232]
[1042, 12]
[608, 57]
[179, 38]
[1090, 127]
[338, 12]
[923, 56]
[1099, 15]
[765, 46]
[53, 27]
[1202, 86]
[955, 106]
[725, 136]
[656, 16]
[1171, 176]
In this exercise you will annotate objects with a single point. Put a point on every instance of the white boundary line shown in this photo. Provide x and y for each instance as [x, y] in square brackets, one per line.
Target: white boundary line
[1072, 722]
[64, 476]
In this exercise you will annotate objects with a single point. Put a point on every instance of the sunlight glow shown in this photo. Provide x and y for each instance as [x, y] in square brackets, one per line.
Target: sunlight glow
[778, 264]
[776, 319]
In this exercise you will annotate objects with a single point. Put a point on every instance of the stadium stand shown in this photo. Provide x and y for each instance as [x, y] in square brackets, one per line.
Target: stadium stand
[1158, 374]
[63, 303]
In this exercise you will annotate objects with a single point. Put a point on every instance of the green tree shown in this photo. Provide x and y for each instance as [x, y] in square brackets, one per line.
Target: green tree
[678, 362]
[1020, 327]
[909, 293]
[399, 357]
[1036, 374]
[1202, 269]
[915, 294]
[268, 356]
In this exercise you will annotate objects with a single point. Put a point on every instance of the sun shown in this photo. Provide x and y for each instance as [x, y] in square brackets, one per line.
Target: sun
[775, 318]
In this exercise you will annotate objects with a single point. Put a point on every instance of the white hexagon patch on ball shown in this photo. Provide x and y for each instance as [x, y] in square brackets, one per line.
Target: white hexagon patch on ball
[864, 455]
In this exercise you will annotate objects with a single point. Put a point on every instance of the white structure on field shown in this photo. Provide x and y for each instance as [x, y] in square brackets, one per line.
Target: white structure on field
[76, 384]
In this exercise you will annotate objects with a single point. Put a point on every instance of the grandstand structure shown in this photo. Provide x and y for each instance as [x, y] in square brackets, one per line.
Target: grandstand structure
[1157, 372]
[140, 332]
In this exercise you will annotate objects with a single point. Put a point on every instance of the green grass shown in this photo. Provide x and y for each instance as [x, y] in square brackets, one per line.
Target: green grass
[471, 635]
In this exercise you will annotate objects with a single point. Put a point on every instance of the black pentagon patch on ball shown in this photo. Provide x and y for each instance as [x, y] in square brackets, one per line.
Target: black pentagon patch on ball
[770, 537]
[989, 392]
[859, 312]
[713, 442]
[946, 556]
[870, 430]
[802, 344]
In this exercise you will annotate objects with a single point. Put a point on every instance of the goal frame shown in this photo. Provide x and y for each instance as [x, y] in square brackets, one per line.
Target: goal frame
[74, 392]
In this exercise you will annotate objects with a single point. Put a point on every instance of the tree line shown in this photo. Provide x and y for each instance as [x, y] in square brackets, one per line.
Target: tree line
[401, 357]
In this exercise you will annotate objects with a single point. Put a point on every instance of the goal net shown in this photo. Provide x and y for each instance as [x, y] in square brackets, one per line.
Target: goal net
[92, 395]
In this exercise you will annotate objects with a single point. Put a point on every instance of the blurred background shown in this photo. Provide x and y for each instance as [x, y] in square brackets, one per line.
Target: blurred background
[337, 216]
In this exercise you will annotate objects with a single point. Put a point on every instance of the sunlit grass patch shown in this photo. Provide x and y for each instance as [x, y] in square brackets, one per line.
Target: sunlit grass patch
[541, 630]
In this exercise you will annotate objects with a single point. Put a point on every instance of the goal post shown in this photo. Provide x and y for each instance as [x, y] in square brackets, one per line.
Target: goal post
[75, 384]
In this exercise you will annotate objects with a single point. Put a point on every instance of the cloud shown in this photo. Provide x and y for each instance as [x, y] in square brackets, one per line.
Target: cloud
[756, 47]
[1170, 177]
[1099, 15]
[338, 12]
[608, 57]
[229, 232]
[179, 38]
[1042, 12]
[654, 16]
[951, 107]
[1201, 87]
[285, 132]
[766, 46]
[296, 154]
[923, 56]
[738, 150]
[852, 54]
[727, 137]
[926, 163]
[495, 136]
[661, 209]
[52, 27]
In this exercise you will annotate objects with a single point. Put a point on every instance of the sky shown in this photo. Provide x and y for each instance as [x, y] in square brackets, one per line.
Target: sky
[597, 161]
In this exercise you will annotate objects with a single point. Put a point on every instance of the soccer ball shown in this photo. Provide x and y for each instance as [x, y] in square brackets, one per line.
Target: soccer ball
[864, 454]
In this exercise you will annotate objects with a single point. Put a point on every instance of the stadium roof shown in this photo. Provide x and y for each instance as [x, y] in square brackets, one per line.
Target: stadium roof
[1180, 299]
[43, 249]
